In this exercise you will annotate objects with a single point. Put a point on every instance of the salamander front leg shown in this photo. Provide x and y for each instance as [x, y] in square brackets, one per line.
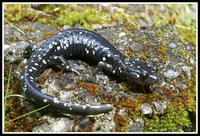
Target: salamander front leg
[58, 60]
[99, 70]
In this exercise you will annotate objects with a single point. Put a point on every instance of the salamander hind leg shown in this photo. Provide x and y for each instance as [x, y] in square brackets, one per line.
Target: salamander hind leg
[99, 70]
[58, 60]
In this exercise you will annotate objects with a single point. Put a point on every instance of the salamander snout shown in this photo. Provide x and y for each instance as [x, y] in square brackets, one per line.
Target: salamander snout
[140, 72]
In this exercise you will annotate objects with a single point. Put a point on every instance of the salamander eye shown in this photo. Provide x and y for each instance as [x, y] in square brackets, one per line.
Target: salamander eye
[144, 75]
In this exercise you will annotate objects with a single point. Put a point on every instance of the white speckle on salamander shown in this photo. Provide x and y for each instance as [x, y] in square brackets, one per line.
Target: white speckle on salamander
[45, 100]
[65, 104]
[50, 46]
[39, 58]
[58, 48]
[84, 106]
[154, 77]
[44, 62]
[56, 100]
[34, 68]
[105, 48]
[86, 40]
[65, 47]
[93, 52]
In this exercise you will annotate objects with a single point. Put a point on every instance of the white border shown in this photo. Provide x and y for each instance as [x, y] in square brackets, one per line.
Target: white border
[103, 3]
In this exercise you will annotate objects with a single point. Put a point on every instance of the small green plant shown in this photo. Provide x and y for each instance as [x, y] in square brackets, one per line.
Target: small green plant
[5, 101]
[7, 93]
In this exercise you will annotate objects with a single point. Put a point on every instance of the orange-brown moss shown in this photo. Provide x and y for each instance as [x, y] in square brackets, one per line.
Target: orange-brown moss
[14, 108]
[88, 128]
[121, 123]
[44, 76]
[91, 88]
[169, 93]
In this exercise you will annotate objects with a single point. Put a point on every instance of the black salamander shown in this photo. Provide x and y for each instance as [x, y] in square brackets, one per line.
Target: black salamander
[83, 43]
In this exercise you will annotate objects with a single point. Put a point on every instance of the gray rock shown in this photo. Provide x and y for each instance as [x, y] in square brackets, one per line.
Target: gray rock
[187, 70]
[171, 74]
[55, 125]
[122, 34]
[172, 45]
[136, 47]
[84, 122]
[135, 127]
[158, 108]
[146, 109]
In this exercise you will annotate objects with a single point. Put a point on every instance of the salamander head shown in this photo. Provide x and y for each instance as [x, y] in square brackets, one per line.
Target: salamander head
[141, 72]
[29, 51]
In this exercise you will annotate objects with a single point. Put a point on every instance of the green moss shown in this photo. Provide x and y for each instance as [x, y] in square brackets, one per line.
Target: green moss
[175, 119]
[180, 114]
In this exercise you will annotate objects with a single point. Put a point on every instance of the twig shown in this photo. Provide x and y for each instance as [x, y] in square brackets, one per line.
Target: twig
[15, 27]
[124, 15]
